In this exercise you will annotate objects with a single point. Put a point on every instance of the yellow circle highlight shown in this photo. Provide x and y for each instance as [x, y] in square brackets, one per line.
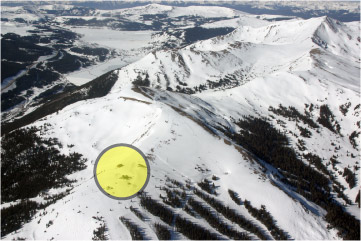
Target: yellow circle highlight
[121, 172]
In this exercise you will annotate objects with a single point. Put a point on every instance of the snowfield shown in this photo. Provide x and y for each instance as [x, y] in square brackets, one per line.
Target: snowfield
[122, 40]
[129, 45]
[18, 28]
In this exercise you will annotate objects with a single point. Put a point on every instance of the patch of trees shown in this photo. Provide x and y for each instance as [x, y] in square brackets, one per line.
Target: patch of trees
[172, 199]
[266, 218]
[100, 52]
[132, 26]
[137, 213]
[357, 107]
[208, 186]
[175, 182]
[120, 24]
[134, 230]
[308, 109]
[63, 36]
[9, 69]
[149, 17]
[162, 232]
[18, 49]
[317, 161]
[142, 82]
[185, 226]
[13, 217]
[339, 190]
[157, 25]
[200, 88]
[293, 114]
[235, 197]
[350, 177]
[100, 232]
[190, 211]
[74, 11]
[231, 214]
[229, 81]
[216, 222]
[59, 46]
[326, 118]
[226, 82]
[36, 77]
[262, 215]
[19, 20]
[301, 144]
[34, 38]
[21, 52]
[31, 164]
[67, 62]
[195, 34]
[344, 108]
[194, 231]
[9, 100]
[156, 208]
[357, 199]
[353, 140]
[347, 225]
[52, 91]
[184, 90]
[90, 22]
[304, 131]
[334, 161]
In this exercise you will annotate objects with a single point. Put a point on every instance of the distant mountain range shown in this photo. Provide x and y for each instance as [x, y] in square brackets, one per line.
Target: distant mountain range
[341, 10]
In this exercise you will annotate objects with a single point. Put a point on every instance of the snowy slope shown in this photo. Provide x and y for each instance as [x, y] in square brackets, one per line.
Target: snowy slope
[176, 145]
[172, 11]
[250, 52]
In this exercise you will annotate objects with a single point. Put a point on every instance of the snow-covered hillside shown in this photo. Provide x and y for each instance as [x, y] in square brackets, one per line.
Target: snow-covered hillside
[249, 52]
[183, 108]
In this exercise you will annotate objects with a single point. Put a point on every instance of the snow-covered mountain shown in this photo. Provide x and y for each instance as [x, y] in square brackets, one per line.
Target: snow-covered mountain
[95, 41]
[250, 134]
[249, 52]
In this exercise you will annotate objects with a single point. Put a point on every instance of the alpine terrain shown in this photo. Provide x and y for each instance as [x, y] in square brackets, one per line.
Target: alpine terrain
[250, 122]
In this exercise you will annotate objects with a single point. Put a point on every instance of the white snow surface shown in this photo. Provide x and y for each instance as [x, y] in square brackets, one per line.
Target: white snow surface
[122, 40]
[173, 11]
[18, 28]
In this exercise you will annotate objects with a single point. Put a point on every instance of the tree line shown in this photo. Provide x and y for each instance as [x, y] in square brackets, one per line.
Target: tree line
[266, 218]
[231, 214]
[30, 165]
[134, 230]
[183, 225]
[216, 222]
